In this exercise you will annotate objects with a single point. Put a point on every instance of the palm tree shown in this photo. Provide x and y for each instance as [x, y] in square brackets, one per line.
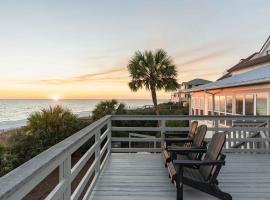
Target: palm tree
[154, 71]
[107, 107]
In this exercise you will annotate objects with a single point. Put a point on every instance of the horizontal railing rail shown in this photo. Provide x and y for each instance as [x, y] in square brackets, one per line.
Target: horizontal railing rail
[240, 134]
[113, 134]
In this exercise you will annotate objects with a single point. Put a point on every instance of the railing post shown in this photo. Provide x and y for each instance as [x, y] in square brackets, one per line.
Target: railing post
[97, 153]
[65, 175]
[129, 142]
[109, 137]
[163, 126]
[267, 134]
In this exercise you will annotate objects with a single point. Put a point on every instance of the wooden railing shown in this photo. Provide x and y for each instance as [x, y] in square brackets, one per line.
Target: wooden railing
[108, 131]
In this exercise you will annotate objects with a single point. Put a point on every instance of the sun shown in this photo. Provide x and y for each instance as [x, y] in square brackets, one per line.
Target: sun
[55, 97]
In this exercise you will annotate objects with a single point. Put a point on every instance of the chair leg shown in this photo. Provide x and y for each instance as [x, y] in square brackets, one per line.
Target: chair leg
[209, 188]
[179, 183]
[220, 194]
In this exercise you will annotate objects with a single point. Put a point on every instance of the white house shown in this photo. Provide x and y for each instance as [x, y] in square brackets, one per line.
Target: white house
[182, 95]
[243, 90]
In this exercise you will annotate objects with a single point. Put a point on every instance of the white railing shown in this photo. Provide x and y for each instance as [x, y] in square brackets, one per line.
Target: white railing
[115, 129]
[22, 180]
[246, 134]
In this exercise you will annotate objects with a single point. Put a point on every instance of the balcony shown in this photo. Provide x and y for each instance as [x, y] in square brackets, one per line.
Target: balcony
[126, 161]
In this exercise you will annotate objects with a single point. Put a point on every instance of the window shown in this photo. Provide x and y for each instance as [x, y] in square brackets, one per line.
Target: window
[229, 104]
[222, 104]
[202, 105]
[249, 105]
[202, 102]
[261, 104]
[239, 105]
[197, 102]
[210, 104]
[201, 112]
[192, 102]
[216, 103]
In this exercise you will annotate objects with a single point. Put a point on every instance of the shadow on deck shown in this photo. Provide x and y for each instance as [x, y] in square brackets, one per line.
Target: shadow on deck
[143, 176]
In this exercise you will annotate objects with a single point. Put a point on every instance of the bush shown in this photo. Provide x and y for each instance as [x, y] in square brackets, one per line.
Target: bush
[52, 125]
[107, 108]
[44, 129]
[6, 160]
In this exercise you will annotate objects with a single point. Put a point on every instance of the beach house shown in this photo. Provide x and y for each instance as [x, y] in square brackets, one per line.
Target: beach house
[243, 90]
[182, 94]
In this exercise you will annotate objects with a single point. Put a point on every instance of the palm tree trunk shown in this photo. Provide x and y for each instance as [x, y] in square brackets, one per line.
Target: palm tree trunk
[154, 98]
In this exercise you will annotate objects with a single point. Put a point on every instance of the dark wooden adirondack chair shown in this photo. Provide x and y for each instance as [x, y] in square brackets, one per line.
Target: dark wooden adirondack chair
[197, 143]
[205, 177]
[170, 138]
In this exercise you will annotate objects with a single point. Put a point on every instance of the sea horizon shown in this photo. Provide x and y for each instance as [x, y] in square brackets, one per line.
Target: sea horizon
[14, 112]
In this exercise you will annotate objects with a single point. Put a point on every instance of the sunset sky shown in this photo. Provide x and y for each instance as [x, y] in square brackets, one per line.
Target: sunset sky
[80, 49]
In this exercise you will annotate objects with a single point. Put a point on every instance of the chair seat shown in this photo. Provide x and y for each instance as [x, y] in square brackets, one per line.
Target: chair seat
[193, 174]
[189, 173]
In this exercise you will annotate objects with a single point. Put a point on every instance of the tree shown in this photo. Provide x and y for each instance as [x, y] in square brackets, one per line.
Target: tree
[154, 71]
[107, 107]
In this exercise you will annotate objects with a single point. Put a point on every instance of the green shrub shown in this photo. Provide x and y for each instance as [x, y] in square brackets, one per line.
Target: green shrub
[107, 107]
[44, 129]
[52, 125]
[6, 160]
[1, 154]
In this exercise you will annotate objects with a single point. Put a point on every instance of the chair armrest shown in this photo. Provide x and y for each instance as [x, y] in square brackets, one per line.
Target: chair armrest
[179, 140]
[198, 162]
[187, 149]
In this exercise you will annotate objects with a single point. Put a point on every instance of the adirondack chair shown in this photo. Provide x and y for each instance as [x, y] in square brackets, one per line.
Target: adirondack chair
[169, 139]
[205, 177]
[197, 142]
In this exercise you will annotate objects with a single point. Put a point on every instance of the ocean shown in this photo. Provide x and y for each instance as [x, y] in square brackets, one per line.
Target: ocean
[14, 112]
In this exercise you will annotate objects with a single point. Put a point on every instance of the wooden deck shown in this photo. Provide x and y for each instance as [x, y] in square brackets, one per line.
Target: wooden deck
[143, 176]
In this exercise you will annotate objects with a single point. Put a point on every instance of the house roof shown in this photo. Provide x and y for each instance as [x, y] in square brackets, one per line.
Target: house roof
[246, 63]
[227, 75]
[256, 76]
[198, 81]
[252, 60]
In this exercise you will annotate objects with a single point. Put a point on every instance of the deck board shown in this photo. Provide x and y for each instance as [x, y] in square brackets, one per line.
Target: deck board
[143, 176]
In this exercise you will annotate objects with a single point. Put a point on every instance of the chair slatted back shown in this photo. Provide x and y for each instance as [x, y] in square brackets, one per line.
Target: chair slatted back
[192, 132]
[192, 129]
[213, 153]
[198, 140]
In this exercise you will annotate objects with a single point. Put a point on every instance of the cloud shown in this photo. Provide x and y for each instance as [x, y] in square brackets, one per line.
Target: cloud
[206, 56]
[111, 74]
